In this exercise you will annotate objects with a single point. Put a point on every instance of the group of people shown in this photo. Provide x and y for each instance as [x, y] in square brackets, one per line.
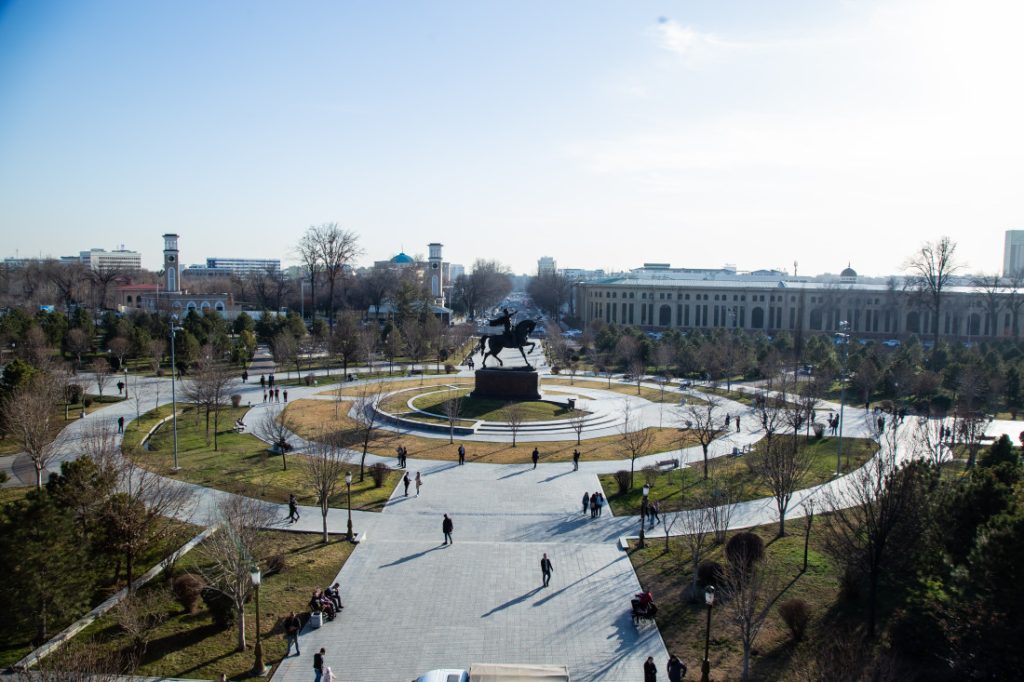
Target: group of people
[407, 481]
[274, 395]
[266, 382]
[594, 503]
[402, 455]
[326, 601]
[649, 509]
[675, 667]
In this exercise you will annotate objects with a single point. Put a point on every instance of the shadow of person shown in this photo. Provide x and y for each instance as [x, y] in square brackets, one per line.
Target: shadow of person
[513, 602]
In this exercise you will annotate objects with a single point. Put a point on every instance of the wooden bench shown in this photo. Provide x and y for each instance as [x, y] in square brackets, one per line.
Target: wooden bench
[668, 463]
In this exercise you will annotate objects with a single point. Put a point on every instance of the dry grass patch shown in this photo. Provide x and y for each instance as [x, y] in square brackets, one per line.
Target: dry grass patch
[309, 417]
[655, 395]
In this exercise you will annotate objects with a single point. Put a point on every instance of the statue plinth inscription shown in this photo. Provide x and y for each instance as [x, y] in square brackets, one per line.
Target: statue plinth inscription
[519, 383]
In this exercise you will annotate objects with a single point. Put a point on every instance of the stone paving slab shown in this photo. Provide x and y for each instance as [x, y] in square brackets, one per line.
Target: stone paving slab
[422, 606]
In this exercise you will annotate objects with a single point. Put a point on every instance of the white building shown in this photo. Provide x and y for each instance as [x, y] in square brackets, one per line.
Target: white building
[118, 259]
[546, 266]
[1013, 253]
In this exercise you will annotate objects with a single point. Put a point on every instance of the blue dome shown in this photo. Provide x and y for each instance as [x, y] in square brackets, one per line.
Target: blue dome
[402, 258]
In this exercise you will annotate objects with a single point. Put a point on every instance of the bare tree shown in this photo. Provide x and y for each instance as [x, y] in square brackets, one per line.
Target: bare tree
[273, 427]
[369, 341]
[324, 464]
[808, 505]
[782, 470]
[636, 438]
[309, 255]
[578, 421]
[141, 515]
[703, 421]
[747, 597]
[992, 291]
[719, 497]
[77, 342]
[929, 441]
[452, 408]
[156, 353]
[770, 409]
[209, 386]
[76, 661]
[513, 415]
[697, 528]
[345, 342]
[416, 343]
[138, 615]
[392, 346]
[119, 347]
[29, 415]
[335, 248]
[101, 373]
[367, 418]
[240, 543]
[930, 271]
[284, 348]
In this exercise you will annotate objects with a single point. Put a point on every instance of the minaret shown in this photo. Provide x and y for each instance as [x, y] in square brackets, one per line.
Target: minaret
[172, 266]
[436, 273]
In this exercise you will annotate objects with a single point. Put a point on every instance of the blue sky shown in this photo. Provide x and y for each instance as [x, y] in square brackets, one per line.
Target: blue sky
[604, 134]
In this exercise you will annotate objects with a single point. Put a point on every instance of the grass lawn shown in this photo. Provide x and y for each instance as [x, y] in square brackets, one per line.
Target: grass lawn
[742, 397]
[242, 464]
[489, 409]
[397, 385]
[309, 416]
[668, 575]
[15, 645]
[679, 488]
[191, 646]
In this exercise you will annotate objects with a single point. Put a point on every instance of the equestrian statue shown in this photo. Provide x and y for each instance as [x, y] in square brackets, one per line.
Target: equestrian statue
[511, 337]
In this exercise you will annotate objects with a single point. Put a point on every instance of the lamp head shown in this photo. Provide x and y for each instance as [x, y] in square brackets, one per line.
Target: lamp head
[709, 595]
[348, 478]
[254, 573]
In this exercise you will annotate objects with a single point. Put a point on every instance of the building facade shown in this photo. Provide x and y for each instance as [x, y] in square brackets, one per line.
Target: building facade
[546, 266]
[769, 301]
[171, 297]
[121, 260]
[1013, 253]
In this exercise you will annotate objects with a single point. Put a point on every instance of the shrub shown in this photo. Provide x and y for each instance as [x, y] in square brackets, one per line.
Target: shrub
[86, 402]
[449, 368]
[379, 472]
[309, 379]
[819, 430]
[710, 573]
[795, 614]
[622, 479]
[276, 564]
[73, 393]
[743, 549]
[220, 606]
[650, 475]
[236, 399]
[187, 591]
[555, 369]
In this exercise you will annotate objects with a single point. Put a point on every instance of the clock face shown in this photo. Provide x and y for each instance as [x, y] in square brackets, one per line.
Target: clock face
[433, 265]
[170, 259]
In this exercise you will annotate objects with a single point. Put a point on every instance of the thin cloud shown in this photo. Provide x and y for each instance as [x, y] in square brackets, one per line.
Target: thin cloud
[683, 40]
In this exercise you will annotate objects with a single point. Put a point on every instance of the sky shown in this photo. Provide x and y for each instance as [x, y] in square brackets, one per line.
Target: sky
[604, 134]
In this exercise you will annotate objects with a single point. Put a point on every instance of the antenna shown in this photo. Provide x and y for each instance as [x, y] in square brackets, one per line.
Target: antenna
[795, 263]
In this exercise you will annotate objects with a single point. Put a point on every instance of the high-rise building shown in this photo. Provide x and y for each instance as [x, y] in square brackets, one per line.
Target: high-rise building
[1013, 253]
[545, 266]
[119, 259]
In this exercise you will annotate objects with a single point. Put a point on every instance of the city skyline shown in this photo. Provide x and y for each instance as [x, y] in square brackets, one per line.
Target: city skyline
[710, 134]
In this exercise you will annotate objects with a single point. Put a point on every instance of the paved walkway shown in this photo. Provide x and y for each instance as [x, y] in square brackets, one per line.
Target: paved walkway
[413, 604]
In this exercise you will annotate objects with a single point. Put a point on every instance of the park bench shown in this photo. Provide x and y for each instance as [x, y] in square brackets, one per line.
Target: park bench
[643, 612]
[667, 464]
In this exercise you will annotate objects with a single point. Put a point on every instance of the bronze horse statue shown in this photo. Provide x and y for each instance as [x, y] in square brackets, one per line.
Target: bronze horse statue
[517, 338]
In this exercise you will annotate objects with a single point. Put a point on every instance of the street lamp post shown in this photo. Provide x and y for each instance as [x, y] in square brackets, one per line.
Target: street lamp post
[126, 382]
[705, 667]
[258, 668]
[174, 399]
[843, 325]
[348, 487]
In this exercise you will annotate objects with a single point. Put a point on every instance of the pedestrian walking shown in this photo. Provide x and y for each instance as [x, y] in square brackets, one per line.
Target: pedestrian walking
[462, 454]
[593, 505]
[600, 503]
[576, 459]
[586, 501]
[650, 670]
[447, 527]
[264, 396]
[419, 482]
[655, 509]
[245, 376]
[277, 395]
[263, 381]
[120, 424]
[318, 664]
[286, 395]
[398, 456]
[406, 480]
[536, 456]
[293, 509]
[546, 569]
[292, 625]
[645, 505]
[737, 423]
[271, 380]
[676, 669]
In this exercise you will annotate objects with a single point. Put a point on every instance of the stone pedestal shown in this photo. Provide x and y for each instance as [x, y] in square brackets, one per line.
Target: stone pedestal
[514, 383]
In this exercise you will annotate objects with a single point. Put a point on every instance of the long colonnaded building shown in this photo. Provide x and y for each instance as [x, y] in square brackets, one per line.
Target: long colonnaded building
[658, 297]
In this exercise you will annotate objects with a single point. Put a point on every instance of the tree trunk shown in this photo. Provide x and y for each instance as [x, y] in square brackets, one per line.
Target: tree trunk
[872, 609]
[807, 540]
[705, 448]
[323, 512]
[216, 428]
[241, 630]
[746, 662]
[129, 568]
[39, 475]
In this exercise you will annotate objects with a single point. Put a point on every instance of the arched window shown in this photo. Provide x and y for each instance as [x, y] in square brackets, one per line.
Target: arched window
[974, 324]
[665, 316]
[815, 321]
[914, 322]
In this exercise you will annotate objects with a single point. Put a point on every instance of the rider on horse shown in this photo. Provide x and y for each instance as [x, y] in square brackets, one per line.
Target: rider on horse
[504, 320]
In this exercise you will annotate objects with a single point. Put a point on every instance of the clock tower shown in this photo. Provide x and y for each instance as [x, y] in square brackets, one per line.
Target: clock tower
[172, 266]
[436, 273]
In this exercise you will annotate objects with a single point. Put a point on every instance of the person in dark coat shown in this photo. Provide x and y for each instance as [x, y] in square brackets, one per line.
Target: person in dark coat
[318, 664]
[447, 527]
[536, 456]
[576, 459]
[676, 669]
[546, 569]
[650, 670]
[292, 625]
[462, 454]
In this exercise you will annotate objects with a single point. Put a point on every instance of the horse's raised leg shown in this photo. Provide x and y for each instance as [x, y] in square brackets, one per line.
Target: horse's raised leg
[523, 353]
